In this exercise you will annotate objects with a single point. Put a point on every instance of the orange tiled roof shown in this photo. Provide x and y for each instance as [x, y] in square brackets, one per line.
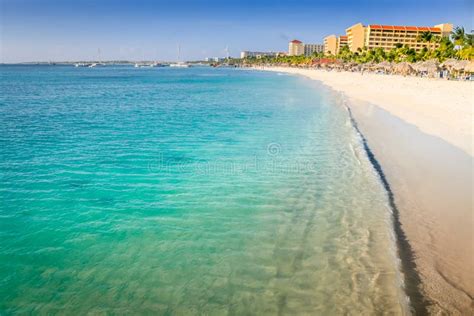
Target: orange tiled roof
[296, 42]
[405, 28]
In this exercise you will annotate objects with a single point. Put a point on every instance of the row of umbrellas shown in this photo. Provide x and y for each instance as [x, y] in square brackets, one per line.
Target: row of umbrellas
[430, 67]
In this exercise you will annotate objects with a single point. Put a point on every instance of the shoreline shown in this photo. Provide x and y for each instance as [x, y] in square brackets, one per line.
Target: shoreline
[412, 281]
[426, 103]
[428, 170]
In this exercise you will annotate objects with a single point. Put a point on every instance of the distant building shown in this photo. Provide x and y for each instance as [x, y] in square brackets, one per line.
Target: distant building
[310, 49]
[333, 43]
[295, 48]
[387, 36]
[246, 54]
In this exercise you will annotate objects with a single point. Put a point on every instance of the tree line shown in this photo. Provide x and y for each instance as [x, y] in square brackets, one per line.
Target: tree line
[458, 45]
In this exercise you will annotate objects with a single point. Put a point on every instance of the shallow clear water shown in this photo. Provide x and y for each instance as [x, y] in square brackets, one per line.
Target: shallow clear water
[185, 191]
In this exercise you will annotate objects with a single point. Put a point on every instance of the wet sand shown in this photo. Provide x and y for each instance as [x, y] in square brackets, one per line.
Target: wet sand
[427, 160]
[432, 185]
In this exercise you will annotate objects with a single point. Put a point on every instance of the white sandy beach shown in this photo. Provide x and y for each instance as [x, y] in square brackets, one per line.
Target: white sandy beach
[437, 107]
[421, 132]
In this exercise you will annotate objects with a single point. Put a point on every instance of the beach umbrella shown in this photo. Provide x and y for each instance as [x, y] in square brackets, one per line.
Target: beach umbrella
[469, 68]
[403, 68]
[385, 65]
[430, 66]
[449, 63]
[431, 63]
[460, 65]
[389, 66]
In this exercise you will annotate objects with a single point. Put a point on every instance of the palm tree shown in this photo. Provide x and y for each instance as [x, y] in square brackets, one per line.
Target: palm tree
[426, 37]
[345, 54]
[458, 35]
[429, 38]
[470, 39]
[467, 52]
[398, 45]
[423, 54]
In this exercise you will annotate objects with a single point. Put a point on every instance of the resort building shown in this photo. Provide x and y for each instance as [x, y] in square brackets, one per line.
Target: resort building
[356, 37]
[387, 36]
[330, 45]
[310, 49]
[333, 43]
[295, 48]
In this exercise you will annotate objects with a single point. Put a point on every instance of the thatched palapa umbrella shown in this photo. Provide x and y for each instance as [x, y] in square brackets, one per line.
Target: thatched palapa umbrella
[384, 65]
[469, 68]
[448, 64]
[403, 68]
[431, 67]
[460, 65]
[451, 65]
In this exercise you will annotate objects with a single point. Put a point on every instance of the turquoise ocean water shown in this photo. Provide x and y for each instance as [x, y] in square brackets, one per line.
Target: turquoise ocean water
[187, 191]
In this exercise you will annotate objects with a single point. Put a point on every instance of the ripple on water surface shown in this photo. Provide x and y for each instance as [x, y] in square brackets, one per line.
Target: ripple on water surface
[187, 191]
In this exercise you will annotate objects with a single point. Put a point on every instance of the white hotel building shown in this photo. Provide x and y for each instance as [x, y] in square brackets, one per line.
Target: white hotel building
[310, 49]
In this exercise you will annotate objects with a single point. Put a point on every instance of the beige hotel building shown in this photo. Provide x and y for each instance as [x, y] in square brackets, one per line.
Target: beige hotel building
[387, 36]
[295, 48]
[333, 43]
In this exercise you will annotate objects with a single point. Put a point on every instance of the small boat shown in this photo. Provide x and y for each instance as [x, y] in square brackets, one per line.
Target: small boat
[179, 64]
[93, 64]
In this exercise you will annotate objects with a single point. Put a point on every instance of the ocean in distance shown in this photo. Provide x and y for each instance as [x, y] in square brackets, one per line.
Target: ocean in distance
[187, 191]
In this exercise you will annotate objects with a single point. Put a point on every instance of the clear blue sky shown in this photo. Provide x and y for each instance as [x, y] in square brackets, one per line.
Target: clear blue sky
[43, 30]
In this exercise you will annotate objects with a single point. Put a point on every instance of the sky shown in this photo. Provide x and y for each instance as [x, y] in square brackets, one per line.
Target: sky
[60, 30]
